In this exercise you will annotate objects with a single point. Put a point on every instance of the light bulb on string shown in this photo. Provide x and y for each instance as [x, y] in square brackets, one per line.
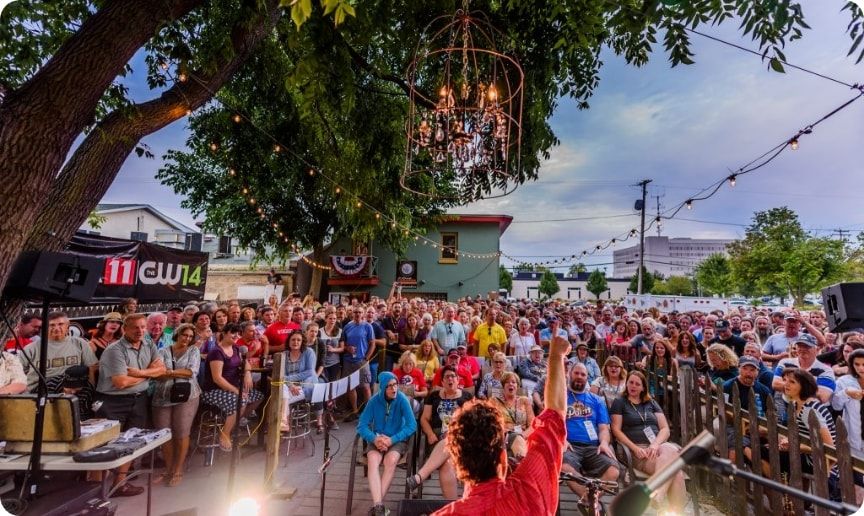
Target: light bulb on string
[164, 65]
[359, 204]
[732, 180]
[188, 112]
[232, 172]
[181, 77]
[338, 190]
[689, 204]
[251, 200]
[245, 191]
[214, 146]
[277, 148]
[311, 171]
[377, 216]
[237, 118]
[794, 143]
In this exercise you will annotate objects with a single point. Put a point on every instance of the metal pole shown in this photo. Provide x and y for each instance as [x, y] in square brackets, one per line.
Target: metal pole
[644, 185]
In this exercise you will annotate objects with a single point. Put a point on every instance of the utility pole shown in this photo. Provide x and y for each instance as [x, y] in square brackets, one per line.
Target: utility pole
[644, 185]
[840, 233]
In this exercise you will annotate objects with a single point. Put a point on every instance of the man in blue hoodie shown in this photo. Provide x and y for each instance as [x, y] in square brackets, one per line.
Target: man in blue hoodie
[386, 424]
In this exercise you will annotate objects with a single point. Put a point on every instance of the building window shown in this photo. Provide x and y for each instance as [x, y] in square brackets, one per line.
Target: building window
[138, 236]
[449, 248]
[224, 245]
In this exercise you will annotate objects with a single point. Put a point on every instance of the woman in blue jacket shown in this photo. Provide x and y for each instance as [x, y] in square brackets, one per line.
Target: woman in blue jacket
[386, 424]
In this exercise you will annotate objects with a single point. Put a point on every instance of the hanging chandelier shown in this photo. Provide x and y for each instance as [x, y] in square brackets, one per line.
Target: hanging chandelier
[464, 127]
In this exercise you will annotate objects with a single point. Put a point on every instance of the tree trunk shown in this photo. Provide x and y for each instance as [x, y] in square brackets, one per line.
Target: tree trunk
[95, 164]
[317, 274]
[40, 121]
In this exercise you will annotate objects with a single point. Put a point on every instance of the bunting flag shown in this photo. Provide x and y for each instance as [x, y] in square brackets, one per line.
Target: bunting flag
[349, 265]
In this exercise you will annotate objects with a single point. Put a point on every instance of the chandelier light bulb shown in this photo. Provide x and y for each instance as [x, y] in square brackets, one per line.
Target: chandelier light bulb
[794, 143]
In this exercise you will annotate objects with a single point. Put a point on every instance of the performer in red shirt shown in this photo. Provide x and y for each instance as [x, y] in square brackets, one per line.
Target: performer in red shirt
[477, 442]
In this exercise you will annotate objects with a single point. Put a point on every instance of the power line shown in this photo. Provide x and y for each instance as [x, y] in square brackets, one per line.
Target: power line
[572, 219]
[778, 58]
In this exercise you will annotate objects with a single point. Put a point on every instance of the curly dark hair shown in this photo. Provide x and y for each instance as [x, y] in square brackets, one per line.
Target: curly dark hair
[477, 442]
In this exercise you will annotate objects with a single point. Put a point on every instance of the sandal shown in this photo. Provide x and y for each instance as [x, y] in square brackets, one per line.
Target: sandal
[161, 477]
[412, 483]
[225, 448]
[175, 480]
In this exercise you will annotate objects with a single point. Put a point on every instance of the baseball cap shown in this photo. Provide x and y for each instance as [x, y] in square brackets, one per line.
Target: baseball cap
[176, 308]
[748, 360]
[589, 320]
[721, 324]
[453, 352]
[552, 318]
[806, 339]
[462, 345]
[581, 345]
[113, 316]
[790, 317]
[535, 347]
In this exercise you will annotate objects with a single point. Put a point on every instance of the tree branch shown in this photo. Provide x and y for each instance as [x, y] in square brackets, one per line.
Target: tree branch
[361, 61]
[89, 173]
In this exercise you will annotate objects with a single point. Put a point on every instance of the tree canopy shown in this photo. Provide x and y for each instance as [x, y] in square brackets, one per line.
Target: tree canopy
[597, 283]
[714, 275]
[505, 279]
[61, 65]
[548, 286]
[778, 257]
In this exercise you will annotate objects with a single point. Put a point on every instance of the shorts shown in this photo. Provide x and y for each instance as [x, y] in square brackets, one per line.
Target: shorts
[226, 401]
[363, 367]
[401, 447]
[585, 459]
[730, 439]
[131, 410]
[177, 417]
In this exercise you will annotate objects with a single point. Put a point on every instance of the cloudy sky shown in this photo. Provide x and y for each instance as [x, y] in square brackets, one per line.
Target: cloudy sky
[683, 128]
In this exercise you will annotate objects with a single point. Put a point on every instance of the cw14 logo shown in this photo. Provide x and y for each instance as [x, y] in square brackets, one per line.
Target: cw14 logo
[122, 271]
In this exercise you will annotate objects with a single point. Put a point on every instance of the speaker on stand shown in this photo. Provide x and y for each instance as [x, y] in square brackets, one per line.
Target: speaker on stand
[49, 277]
[844, 306]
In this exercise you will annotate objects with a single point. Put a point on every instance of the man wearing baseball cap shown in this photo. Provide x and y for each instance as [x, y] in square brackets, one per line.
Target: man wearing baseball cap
[727, 338]
[533, 369]
[748, 373]
[805, 346]
[465, 380]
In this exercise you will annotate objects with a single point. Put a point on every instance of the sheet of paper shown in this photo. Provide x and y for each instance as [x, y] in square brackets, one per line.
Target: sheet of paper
[319, 392]
[340, 388]
[354, 380]
[291, 398]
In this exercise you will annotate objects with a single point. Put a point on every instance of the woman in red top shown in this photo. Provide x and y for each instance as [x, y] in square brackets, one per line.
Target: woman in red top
[408, 375]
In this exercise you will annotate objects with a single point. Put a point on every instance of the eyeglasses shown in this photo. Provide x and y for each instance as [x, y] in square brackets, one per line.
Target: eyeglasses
[613, 367]
[391, 385]
[498, 362]
[449, 376]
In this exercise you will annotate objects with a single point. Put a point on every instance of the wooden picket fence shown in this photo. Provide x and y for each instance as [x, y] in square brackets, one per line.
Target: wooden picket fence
[693, 404]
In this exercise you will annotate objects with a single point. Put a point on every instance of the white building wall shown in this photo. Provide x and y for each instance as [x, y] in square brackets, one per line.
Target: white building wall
[121, 224]
[667, 256]
[571, 290]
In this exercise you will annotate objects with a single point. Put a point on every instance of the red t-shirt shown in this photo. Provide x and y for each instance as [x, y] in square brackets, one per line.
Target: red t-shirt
[465, 379]
[277, 333]
[415, 378]
[10, 344]
[532, 488]
[470, 364]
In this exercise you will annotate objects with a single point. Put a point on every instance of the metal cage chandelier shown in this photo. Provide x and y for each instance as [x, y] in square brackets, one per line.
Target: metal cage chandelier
[464, 127]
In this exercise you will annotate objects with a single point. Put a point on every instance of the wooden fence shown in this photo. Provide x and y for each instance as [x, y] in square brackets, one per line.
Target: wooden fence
[692, 404]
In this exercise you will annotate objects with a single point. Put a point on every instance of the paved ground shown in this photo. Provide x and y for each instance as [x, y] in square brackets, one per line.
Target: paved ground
[203, 488]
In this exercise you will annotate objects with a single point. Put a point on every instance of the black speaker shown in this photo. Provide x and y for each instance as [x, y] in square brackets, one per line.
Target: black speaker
[844, 306]
[59, 276]
[420, 507]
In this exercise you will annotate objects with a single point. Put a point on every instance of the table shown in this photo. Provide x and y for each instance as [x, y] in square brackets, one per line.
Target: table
[65, 463]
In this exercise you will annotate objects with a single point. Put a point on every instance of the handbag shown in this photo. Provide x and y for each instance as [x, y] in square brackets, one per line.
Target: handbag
[180, 392]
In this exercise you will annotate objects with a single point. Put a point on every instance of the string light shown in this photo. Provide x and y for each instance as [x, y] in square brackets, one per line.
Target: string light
[793, 143]
[181, 77]
[277, 148]
[338, 190]
[164, 65]
[232, 172]
[359, 204]
[377, 215]
[237, 118]
[689, 204]
[311, 172]
[214, 146]
[252, 200]
[732, 180]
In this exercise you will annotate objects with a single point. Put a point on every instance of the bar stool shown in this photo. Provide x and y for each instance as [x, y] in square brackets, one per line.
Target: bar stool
[300, 426]
[210, 426]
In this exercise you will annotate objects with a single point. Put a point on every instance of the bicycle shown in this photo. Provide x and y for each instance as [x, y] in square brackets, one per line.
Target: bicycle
[596, 488]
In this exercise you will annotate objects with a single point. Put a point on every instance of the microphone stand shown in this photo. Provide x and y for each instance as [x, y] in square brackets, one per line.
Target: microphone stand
[31, 478]
[328, 418]
[727, 468]
[235, 434]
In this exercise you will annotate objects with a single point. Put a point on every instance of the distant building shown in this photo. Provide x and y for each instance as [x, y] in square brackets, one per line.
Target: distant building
[526, 285]
[144, 223]
[667, 256]
[457, 259]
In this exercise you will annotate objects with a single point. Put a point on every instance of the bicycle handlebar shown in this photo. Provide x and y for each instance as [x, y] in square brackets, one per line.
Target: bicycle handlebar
[610, 486]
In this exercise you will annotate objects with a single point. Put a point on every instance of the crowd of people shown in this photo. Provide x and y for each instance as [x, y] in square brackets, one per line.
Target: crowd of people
[432, 360]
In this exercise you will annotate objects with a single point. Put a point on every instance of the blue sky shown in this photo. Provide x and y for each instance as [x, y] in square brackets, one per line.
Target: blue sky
[682, 127]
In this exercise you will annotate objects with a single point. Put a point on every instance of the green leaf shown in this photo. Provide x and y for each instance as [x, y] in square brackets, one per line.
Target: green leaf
[776, 65]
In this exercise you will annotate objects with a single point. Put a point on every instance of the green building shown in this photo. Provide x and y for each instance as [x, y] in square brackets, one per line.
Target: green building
[458, 259]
